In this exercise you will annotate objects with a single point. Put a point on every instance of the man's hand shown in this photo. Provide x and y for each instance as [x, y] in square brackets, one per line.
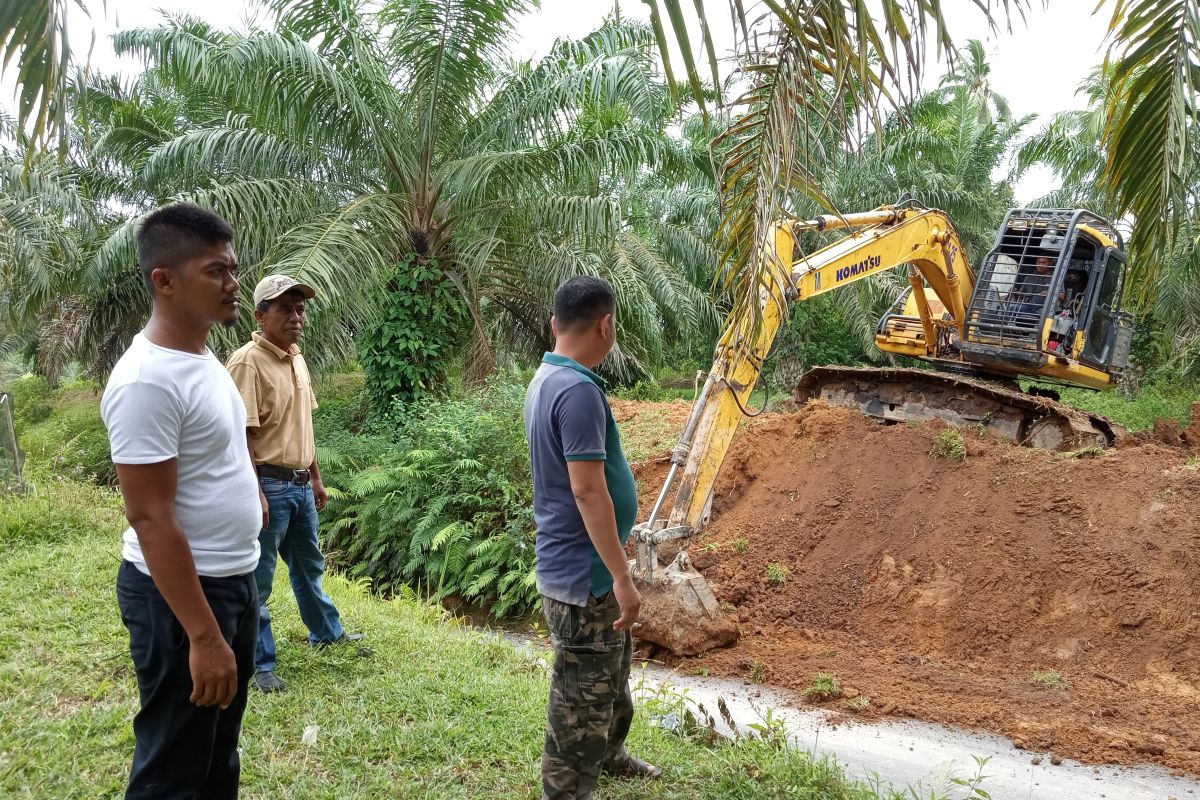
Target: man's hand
[214, 671]
[629, 600]
[320, 496]
[266, 508]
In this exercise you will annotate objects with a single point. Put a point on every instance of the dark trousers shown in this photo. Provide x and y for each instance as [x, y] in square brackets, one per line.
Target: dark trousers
[591, 706]
[182, 750]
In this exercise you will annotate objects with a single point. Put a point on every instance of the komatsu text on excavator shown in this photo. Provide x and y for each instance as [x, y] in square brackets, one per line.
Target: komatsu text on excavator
[1045, 305]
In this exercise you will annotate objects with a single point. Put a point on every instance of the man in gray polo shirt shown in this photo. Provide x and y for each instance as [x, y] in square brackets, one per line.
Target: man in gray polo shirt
[585, 504]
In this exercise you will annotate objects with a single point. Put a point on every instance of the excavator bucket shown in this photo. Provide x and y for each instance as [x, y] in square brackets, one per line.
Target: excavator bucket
[679, 610]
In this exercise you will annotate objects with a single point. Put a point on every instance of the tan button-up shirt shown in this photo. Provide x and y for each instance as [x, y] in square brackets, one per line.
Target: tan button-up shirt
[277, 390]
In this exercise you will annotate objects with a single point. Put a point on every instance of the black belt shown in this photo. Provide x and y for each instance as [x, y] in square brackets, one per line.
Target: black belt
[283, 473]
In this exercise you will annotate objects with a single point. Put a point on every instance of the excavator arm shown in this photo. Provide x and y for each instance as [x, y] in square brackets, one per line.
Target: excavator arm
[923, 239]
[881, 240]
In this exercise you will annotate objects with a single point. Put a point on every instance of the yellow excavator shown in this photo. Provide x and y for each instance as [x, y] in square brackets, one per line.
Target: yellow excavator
[1045, 305]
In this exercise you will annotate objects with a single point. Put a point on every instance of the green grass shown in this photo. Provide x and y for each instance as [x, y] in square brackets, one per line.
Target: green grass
[1051, 679]
[824, 686]
[776, 574]
[949, 444]
[651, 433]
[857, 703]
[1168, 400]
[438, 712]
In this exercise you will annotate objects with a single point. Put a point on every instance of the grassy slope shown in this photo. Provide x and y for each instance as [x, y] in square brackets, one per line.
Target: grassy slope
[438, 712]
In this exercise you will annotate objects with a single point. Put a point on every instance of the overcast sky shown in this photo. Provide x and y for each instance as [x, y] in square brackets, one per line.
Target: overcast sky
[1037, 66]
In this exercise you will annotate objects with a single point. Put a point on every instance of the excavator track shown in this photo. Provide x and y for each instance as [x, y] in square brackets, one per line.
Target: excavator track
[913, 395]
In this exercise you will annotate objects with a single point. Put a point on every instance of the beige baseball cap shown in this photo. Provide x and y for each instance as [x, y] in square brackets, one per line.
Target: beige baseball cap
[272, 286]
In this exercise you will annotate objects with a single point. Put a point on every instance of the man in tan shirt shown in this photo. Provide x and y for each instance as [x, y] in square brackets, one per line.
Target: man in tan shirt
[273, 380]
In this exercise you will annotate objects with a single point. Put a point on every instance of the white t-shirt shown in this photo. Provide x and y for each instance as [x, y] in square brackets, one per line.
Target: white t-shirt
[162, 404]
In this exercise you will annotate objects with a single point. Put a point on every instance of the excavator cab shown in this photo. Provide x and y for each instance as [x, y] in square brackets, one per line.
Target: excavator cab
[1047, 303]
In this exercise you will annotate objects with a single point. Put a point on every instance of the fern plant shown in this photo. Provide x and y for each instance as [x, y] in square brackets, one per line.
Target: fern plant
[449, 509]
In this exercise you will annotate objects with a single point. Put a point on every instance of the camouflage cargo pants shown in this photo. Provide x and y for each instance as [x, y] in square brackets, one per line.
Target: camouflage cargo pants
[591, 707]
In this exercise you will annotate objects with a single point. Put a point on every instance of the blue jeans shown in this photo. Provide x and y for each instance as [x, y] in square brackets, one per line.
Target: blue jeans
[291, 533]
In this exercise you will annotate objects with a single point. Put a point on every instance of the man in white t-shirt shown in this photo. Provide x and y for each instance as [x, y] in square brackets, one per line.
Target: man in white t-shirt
[186, 589]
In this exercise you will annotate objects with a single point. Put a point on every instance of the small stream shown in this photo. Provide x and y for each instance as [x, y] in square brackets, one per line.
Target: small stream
[922, 755]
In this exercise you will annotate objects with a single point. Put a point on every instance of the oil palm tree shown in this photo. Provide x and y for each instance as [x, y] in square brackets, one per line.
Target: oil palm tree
[969, 74]
[47, 223]
[404, 132]
[33, 38]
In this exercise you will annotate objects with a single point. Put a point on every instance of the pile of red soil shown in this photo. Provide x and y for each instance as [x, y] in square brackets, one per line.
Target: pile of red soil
[936, 588]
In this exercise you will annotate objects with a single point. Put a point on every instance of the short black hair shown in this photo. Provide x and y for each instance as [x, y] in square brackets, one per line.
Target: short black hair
[582, 300]
[175, 234]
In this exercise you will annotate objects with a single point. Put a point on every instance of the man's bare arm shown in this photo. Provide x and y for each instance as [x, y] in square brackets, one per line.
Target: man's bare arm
[595, 506]
[149, 491]
[320, 495]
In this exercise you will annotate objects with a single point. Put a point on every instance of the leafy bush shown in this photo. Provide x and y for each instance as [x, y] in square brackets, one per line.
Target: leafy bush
[818, 332]
[71, 443]
[343, 407]
[651, 391]
[405, 349]
[30, 396]
[450, 507]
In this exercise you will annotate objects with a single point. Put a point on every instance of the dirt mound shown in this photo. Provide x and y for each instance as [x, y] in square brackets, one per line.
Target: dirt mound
[1169, 431]
[675, 412]
[1050, 598]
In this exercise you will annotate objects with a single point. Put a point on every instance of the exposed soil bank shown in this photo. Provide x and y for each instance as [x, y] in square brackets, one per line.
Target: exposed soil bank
[937, 588]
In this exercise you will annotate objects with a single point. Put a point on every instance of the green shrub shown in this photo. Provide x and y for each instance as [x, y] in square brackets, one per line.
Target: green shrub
[30, 396]
[71, 443]
[1165, 397]
[343, 407]
[650, 391]
[450, 507]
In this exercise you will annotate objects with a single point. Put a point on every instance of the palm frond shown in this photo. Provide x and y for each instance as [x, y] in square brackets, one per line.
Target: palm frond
[33, 34]
[1156, 79]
